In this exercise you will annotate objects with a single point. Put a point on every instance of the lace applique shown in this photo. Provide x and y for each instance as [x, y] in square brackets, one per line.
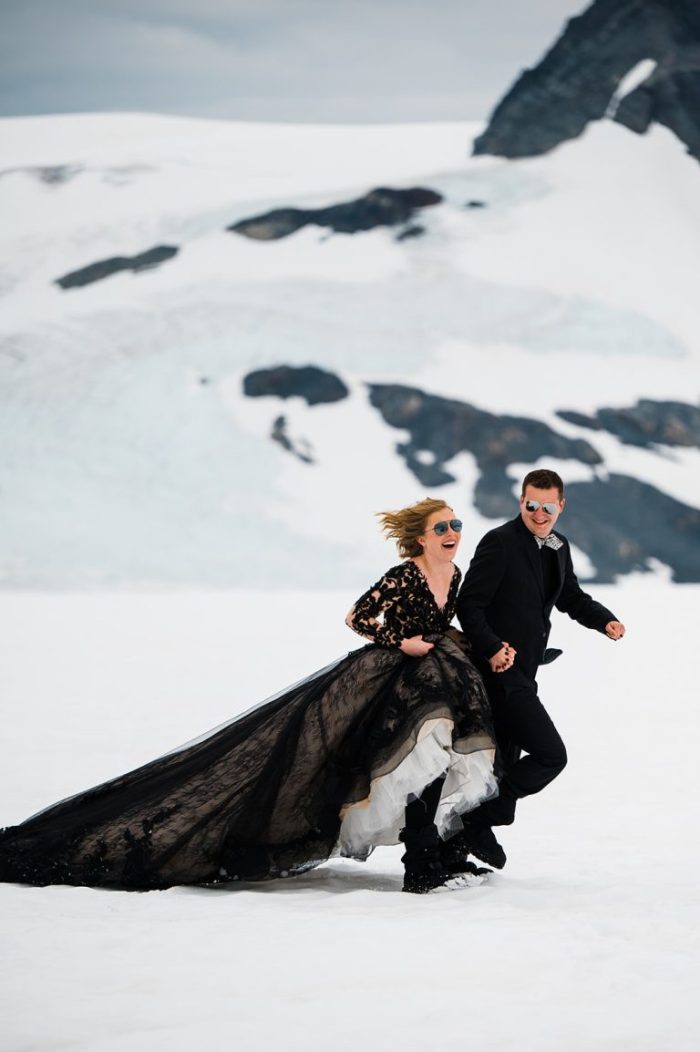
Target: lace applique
[401, 605]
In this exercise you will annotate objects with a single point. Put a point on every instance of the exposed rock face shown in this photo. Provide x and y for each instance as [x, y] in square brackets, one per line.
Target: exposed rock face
[638, 523]
[57, 173]
[300, 448]
[106, 267]
[309, 382]
[414, 230]
[577, 80]
[52, 175]
[442, 427]
[619, 522]
[645, 424]
[381, 207]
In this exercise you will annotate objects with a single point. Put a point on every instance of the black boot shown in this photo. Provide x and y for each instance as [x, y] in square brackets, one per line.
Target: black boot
[423, 869]
[479, 840]
[454, 859]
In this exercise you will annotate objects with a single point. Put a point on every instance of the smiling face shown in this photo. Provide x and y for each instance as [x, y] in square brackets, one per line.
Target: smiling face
[540, 521]
[435, 546]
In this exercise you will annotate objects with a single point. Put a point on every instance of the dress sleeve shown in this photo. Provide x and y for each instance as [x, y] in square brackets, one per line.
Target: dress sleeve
[379, 600]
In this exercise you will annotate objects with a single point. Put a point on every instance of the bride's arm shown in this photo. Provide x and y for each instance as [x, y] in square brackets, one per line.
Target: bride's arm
[377, 602]
[383, 600]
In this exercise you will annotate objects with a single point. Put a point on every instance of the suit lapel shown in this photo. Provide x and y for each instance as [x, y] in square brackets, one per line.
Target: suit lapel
[561, 565]
[530, 551]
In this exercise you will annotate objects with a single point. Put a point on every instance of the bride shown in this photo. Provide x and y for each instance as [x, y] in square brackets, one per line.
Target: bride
[391, 743]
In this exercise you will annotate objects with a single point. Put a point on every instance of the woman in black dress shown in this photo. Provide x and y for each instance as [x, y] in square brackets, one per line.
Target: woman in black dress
[393, 742]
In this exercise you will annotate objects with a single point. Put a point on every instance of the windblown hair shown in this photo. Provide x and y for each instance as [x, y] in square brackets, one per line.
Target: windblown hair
[407, 524]
[543, 479]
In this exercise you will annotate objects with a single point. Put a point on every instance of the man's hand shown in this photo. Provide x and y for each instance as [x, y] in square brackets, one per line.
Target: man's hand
[416, 646]
[614, 630]
[503, 659]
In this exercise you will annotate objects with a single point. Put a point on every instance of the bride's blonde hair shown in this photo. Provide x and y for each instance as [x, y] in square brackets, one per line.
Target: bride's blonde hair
[406, 525]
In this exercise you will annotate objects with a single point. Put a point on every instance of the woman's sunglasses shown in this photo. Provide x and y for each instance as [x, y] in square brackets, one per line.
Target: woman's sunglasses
[533, 505]
[443, 526]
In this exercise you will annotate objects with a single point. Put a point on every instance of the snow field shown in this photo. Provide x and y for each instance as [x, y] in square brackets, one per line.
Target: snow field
[587, 940]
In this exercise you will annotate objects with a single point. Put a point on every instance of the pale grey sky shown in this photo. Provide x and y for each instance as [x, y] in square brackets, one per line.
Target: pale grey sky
[287, 60]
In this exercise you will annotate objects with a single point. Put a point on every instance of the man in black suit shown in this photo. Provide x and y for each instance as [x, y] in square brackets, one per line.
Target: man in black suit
[519, 572]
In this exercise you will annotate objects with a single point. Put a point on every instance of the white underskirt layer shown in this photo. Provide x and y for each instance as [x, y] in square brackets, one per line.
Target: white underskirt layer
[469, 781]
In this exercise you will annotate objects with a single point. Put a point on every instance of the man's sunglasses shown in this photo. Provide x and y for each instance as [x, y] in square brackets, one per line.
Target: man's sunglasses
[443, 526]
[533, 505]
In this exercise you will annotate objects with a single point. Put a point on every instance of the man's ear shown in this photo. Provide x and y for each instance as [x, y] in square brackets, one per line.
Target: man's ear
[562, 502]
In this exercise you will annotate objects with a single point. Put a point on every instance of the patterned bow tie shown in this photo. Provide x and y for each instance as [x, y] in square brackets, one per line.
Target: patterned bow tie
[548, 542]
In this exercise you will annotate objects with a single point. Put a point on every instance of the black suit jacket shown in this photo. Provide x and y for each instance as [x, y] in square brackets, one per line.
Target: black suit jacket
[502, 596]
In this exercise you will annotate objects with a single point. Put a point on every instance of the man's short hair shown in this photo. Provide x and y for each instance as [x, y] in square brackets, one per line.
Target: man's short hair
[543, 479]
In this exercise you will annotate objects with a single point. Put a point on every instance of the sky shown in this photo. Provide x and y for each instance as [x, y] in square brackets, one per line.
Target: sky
[272, 60]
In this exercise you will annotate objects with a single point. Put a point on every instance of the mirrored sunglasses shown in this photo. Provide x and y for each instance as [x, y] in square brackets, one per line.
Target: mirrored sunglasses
[443, 526]
[533, 505]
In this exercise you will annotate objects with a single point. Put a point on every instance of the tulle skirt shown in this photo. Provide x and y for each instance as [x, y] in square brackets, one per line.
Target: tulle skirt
[324, 768]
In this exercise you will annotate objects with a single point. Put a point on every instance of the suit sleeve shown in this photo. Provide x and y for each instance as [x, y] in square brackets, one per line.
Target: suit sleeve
[579, 605]
[480, 584]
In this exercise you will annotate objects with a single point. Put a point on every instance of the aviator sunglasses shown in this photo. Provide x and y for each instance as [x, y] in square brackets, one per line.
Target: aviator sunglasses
[443, 526]
[533, 505]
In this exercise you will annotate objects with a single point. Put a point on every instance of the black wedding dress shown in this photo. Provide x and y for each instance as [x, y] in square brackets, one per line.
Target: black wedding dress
[324, 768]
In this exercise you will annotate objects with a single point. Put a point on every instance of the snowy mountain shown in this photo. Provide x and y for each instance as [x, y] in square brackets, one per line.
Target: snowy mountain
[518, 313]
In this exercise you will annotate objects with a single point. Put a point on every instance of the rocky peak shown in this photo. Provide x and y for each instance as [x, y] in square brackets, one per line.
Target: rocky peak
[589, 74]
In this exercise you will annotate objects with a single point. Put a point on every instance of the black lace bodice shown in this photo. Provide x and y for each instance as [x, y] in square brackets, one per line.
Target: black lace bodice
[406, 605]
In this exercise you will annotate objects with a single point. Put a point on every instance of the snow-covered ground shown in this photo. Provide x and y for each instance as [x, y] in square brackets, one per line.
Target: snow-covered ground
[588, 940]
[131, 455]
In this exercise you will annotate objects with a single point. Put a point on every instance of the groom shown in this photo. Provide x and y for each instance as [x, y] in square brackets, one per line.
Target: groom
[519, 572]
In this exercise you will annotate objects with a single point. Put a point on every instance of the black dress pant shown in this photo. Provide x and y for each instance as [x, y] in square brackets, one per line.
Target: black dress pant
[522, 725]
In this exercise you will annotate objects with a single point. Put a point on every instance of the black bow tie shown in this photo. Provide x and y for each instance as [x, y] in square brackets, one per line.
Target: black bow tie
[548, 542]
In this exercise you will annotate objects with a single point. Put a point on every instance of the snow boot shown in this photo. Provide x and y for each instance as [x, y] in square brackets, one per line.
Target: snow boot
[454, 859]
[424, 871]
[479, 840]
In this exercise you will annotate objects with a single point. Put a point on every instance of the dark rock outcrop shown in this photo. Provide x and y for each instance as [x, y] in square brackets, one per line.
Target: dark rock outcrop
[56, 174]
[577, 80]
[618, 521]
[414, 230]
[440, 428]
[52, 175]
[106, 267]
[647, 423]
[621, 523]
[381, 207]
[280, 435]
[309, 382]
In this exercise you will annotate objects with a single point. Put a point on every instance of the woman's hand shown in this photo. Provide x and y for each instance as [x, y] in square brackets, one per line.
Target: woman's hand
[503, 659]
[416, 646]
